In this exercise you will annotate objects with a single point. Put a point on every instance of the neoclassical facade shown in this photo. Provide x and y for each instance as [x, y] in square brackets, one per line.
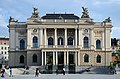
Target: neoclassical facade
[60, 40]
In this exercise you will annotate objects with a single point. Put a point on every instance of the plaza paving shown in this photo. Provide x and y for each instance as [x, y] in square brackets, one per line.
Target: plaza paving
[67, 76]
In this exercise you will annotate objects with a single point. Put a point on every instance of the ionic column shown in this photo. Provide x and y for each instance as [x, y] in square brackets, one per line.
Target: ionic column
[65, 37]
[103, 46]
[29, 39]
[45, 57]
[56, 58]
[65, 58]
[80, 38]
[92, 39]
[55, 37]
[41, 37]
[42, 58]
[76, 57]
[45, 35]
[79, 58]
[76, 37]
[53, 58]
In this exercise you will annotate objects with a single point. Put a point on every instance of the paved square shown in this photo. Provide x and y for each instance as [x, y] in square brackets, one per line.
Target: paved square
[67, 76]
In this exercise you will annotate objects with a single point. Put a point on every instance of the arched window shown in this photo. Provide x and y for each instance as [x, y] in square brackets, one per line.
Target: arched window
[70, 41]
[21, 59]
[22, 44]
[98, 59]
[50, 41]
[34, 58]
[86, 42]
[86, 58]
[98, 44]
[60, 41]
[35, 42]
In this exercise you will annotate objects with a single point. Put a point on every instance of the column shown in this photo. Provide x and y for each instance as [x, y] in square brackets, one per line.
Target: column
[80, 37]
[28, 39]
[53, 58]
[45, 57]
[56, 58]
[55, 37]
[76, 37]
[41, 37]
[92, 39]
[17, 41]
[45, 35]
[65, 37]
[65, 58]
[103, 47]
[76, 58]
[42, 58]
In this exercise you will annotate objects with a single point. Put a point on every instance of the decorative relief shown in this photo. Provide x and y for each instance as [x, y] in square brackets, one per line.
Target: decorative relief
[98, 33]
[70, 33]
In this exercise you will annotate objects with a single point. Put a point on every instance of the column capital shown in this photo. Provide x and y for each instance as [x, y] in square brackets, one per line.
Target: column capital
[65, 28]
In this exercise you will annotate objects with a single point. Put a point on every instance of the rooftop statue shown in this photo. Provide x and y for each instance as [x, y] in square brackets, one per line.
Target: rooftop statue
[12, 20]
[85, 13]
[108, 19]
[35, 13]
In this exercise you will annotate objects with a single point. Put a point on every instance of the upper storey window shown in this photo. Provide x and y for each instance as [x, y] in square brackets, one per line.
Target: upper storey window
[86, 42]
[50, 41]
[70, 41]
[35, 42]
[98, 44]
[60, 41]
[22, 44]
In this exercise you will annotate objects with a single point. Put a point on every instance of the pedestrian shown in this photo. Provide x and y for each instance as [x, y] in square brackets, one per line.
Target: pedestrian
[56, 71]
[63, 71]
[11, 72]
[3, 71]
[36, 72]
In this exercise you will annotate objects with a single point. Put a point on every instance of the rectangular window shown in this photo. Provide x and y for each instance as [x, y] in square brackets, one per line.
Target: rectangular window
[2, 48]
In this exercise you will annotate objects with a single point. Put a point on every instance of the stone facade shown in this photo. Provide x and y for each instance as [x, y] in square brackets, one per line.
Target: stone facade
[59, 40]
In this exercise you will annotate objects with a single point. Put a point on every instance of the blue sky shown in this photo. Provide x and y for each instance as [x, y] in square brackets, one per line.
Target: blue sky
[22, 9]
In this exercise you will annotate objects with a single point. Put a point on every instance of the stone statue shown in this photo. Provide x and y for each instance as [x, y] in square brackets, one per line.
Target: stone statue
[108, 19]
[85, 13]
[35, 13]
[12, 20]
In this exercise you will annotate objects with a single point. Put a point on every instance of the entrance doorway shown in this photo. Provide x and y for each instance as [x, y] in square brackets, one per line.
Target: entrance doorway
[49, 60]
[71, 62]
[60, 61]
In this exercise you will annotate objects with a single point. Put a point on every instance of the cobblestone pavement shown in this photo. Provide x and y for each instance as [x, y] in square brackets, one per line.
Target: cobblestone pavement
[67, 76]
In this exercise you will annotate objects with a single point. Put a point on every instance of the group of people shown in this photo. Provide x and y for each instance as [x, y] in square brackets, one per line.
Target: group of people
[3, 72]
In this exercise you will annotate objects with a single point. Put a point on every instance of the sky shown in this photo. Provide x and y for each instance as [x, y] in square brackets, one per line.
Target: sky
[99, 10]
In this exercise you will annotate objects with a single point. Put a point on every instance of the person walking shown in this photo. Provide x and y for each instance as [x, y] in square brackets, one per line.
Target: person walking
[36, 72]
[11, 72]
[63, 71]
[3, 71]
